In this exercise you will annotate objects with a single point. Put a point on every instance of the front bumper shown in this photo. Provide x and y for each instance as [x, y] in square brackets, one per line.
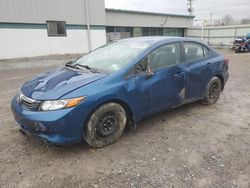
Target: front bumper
[59, 127]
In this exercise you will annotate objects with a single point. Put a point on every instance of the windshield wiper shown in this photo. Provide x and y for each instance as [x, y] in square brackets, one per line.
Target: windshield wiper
[71, 66]
[87, 67]
[78, 66]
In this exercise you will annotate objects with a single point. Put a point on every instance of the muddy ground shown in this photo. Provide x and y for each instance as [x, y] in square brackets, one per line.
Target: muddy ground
[190, 146]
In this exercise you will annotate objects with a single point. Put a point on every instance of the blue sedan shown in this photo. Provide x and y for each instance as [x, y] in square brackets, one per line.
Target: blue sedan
[93, 98]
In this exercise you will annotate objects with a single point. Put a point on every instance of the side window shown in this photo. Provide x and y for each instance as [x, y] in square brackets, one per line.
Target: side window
[164, 56]
[195, 51]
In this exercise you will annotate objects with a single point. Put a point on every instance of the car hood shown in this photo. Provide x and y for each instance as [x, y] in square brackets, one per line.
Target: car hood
[56, 83]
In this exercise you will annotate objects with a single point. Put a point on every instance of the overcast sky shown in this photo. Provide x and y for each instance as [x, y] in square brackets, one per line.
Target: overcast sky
[202, 8]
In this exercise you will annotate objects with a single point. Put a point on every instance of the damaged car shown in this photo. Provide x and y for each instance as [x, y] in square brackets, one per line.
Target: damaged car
[94, 97]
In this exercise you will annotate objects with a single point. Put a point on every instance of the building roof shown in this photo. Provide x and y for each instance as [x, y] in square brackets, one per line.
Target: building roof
[147, 13]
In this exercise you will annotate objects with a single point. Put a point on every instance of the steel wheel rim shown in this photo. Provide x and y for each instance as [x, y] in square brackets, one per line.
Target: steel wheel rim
[214, 91]
[107, 124]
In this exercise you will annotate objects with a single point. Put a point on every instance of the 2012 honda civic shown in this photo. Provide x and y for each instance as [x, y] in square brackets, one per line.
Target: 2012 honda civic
[93, 98]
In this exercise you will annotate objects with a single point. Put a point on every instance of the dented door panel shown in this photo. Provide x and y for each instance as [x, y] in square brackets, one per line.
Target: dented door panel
[168, 87]
[199, 74]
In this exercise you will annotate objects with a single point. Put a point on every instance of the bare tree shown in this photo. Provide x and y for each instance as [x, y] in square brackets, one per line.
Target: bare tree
[217, 22]
[245, 20]
[228, 20]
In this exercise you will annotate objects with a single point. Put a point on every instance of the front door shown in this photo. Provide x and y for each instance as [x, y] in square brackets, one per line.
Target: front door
[164, 86]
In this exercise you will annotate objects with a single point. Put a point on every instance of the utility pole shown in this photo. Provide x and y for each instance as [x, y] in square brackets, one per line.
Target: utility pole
[86, 5]
[210, 24]
[211, 17]
[190, 10]
[190, 7]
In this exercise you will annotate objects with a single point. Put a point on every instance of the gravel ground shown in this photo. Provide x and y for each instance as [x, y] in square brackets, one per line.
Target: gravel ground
[190, 146]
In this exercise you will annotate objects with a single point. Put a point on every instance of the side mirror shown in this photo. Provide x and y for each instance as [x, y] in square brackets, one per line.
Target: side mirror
[149, 74]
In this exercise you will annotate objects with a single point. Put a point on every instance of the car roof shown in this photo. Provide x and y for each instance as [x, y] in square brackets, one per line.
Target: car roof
[156, 39]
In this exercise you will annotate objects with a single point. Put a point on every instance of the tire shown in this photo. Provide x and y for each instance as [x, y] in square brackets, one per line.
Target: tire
[213, 91]
[105, 125]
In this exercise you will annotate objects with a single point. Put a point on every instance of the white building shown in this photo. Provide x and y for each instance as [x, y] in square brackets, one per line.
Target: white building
[41, 27]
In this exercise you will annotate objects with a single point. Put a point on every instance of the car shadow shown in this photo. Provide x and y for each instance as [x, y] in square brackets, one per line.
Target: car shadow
[163, 117]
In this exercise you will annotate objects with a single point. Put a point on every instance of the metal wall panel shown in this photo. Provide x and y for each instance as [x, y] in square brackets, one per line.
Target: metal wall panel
[223, 36]
[73, 12]
[97, 12]
[38, 11]
[143, 19]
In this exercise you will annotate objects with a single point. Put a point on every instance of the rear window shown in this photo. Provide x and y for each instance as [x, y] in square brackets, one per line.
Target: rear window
[165, 56]
[195, 51]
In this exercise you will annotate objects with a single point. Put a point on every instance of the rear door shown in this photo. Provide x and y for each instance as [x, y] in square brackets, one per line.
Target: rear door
[199, 68]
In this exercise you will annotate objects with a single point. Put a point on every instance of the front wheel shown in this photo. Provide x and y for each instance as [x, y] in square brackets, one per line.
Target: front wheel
[213, 91]
[105, 125]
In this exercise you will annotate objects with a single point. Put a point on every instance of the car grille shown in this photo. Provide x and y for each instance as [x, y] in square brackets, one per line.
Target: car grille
[28, 103]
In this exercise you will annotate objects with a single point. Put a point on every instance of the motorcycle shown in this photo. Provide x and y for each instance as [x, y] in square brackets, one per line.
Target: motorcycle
[241, 45]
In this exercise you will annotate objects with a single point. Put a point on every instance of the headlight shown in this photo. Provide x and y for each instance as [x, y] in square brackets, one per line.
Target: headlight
[19, 96]
[60, 104]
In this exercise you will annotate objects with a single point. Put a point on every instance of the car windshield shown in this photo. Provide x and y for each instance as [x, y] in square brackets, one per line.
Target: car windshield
[112, 57]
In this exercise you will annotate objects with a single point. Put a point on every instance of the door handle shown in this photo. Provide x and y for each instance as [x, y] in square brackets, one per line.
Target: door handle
[209, 65]
[178, 74]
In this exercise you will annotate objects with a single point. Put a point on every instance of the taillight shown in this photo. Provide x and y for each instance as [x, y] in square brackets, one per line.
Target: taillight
[226, 61]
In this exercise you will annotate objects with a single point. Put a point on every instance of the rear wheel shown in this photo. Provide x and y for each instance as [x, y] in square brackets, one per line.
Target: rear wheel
[105, 125]
[213, 91]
